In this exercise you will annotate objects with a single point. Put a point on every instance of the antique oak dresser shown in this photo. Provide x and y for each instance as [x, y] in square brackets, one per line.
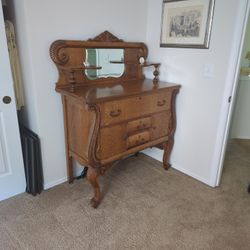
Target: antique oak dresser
[110, 109]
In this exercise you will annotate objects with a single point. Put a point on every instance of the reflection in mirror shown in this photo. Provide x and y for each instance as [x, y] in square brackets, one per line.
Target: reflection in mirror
[109, 61]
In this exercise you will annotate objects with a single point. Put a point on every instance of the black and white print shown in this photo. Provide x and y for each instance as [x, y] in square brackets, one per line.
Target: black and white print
[186, 24]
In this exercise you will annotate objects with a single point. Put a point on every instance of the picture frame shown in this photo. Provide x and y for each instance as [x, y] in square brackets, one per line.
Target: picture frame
[186, 23]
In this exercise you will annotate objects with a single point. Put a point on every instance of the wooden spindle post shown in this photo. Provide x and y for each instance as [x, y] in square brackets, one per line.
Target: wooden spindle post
[72, 80]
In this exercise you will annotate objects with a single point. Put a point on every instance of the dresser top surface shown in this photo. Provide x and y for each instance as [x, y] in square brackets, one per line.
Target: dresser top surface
[111, 91]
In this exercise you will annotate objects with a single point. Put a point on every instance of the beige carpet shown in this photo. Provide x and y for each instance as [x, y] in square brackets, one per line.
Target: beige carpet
[144, 207]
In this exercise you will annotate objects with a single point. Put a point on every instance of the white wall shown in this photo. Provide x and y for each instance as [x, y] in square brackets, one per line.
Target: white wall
[198, 104]
[200, 100]
[38, 24]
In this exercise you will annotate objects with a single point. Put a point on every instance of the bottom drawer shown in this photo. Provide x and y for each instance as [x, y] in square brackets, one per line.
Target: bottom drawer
[138, 139]
[138, 124]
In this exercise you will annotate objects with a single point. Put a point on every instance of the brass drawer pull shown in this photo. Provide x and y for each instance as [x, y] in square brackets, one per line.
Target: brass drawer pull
[161, 103]
[115, 113]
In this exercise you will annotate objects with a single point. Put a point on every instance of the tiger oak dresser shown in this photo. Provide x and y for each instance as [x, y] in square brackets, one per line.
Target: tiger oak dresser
[110, 109]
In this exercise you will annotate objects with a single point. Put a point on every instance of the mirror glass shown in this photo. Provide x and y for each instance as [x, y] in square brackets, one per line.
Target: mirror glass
[104, 63]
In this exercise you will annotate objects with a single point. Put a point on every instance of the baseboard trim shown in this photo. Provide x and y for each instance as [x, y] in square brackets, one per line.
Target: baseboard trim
[192, 175]
[157, 155]
[59, 181]
[54, 183]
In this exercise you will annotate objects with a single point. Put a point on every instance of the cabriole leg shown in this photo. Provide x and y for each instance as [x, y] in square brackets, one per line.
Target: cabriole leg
[92, 176]
[167, 150]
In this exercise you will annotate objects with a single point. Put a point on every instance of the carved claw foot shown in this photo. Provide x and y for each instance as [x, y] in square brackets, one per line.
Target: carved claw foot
[71, 180]
[94, 203]
[167, 166]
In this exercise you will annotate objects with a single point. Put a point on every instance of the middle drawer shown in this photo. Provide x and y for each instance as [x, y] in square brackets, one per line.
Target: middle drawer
[138, 124]
[119, 138]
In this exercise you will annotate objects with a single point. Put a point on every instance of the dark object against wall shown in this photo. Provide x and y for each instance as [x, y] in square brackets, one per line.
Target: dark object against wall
[32, 161]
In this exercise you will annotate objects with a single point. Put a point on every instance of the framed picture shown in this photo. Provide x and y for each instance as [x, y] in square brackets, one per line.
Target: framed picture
[186, 23]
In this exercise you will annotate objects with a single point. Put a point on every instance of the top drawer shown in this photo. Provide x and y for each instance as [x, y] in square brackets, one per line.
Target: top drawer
[133, 107]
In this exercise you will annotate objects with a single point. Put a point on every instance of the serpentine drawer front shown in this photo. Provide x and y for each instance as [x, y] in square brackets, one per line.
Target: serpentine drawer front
[109, 115]
[132, 107]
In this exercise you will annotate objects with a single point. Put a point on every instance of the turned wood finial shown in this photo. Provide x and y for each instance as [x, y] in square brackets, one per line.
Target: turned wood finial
[156, 73]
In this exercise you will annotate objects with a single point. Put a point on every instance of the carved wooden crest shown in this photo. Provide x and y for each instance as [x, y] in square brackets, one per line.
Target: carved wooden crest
[106, 36]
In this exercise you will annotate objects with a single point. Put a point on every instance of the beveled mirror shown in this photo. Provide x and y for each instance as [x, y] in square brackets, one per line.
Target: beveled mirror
[109, 62]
